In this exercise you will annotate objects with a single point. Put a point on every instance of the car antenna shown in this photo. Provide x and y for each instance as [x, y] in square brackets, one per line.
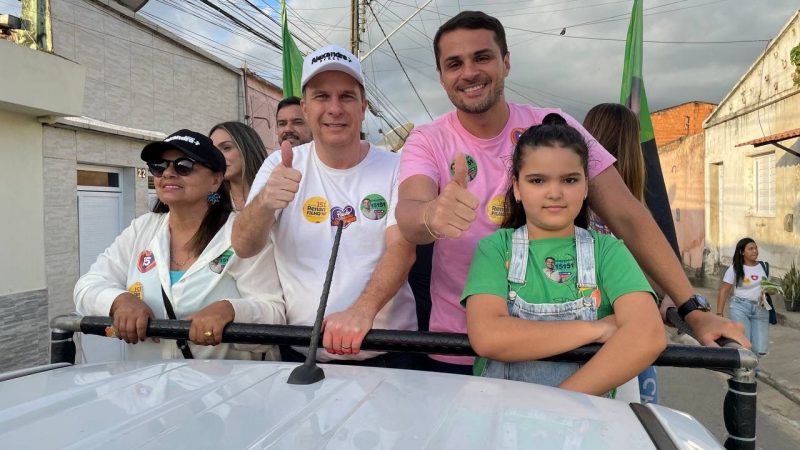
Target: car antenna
[309, 372]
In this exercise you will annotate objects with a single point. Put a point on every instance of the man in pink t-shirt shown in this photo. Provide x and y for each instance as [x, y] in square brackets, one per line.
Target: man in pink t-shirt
[454, 175]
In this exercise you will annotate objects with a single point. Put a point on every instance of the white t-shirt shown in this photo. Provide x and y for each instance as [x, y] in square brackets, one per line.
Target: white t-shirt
[750, 287]
[366, 196]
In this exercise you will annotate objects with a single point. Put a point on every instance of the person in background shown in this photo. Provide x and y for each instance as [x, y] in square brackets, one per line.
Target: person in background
[292, 125]
[616, 128]
[517, 314]
[177, 262]
[244, 153]
[748, 303]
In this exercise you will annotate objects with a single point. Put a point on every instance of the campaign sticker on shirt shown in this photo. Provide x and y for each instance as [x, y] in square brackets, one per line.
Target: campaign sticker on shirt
[346, 214]
[146, 261]
[137, 289]
[496, 209]
[516, 133]
[374, 207]
[219, 263]
[472, 167]
[316, 209]
[558, 270]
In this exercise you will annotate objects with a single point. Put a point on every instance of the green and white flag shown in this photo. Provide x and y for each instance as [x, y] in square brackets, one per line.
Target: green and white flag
[633, 96]
[292, 60]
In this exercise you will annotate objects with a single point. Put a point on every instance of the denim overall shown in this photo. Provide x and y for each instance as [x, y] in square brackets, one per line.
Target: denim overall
[547, 373]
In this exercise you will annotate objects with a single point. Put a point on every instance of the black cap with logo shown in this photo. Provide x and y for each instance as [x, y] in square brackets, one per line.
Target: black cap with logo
[195, 145]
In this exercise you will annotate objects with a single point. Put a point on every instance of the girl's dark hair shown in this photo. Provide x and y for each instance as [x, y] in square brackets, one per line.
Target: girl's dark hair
[251, 148]
[738, 259]
[215, 218]
[553, 131]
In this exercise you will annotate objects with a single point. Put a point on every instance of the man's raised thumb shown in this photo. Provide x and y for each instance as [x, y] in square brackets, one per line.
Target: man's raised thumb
[460, 170]
[286, 153]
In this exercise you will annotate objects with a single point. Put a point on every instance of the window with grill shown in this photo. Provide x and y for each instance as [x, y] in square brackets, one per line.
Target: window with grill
[764, 185]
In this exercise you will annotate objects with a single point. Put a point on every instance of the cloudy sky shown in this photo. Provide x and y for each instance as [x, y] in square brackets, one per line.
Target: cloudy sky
[574, 71]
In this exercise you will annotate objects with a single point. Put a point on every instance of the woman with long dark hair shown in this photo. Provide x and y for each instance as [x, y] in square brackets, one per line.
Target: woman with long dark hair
[244, 153]
[177, 262]
[748, 302]
[616, 128]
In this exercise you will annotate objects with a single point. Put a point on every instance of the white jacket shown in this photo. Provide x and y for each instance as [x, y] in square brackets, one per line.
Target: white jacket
[138, 262]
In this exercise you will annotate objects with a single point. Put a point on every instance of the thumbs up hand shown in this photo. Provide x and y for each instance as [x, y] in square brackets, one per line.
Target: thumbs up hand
[283, 182]
[452, 213]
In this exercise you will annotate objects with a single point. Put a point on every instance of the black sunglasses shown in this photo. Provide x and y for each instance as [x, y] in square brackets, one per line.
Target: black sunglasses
[183, 166]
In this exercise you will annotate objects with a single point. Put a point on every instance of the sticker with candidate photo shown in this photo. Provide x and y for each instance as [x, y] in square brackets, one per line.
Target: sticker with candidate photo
[374, 207]
[558, 270]
[472, 168]
[219, 263]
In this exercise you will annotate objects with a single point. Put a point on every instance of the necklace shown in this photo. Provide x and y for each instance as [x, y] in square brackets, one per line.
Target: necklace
[180, 264]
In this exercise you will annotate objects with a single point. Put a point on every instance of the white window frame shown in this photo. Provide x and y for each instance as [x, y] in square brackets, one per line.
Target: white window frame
[763, 203]
[93, 168]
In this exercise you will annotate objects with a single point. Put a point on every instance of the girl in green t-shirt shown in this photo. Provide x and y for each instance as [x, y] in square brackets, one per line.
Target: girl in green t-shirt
[542, 285]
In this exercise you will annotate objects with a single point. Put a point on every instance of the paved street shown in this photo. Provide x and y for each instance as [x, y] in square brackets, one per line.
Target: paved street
[777, 421]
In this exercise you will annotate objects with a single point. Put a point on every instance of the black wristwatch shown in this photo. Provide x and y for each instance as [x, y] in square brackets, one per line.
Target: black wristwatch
[695, 302]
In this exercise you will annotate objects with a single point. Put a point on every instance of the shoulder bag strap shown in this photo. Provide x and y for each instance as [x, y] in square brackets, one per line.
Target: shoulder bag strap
[183, 346]
[765, 266]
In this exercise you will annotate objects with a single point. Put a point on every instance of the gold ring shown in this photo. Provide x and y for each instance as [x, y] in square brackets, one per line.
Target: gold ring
[208, 333]
[346, 348]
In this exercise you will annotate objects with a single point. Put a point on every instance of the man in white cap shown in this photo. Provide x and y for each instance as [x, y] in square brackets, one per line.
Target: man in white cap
[298, 197]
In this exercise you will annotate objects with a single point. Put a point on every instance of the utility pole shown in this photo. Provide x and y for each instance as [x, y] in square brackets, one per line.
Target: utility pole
[354, 26]
[358, 24]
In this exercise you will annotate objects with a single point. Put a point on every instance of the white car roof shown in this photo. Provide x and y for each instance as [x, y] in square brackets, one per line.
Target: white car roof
[199, 404]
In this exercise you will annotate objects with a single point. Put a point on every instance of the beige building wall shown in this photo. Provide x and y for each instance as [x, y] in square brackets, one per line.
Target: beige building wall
[36, 87]
[22, 264]
[262, 104]
[764, 102]
[682, 165]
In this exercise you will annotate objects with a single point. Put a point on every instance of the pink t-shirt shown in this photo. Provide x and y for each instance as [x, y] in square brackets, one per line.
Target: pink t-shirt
[430, 150]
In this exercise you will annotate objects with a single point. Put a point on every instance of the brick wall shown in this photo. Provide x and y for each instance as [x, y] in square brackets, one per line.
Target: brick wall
[683, 120]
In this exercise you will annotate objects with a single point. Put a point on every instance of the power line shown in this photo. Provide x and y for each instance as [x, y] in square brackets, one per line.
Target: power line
[400, 62]
[242, 24]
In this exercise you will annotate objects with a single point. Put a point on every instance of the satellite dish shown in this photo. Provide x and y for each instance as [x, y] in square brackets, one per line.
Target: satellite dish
[133, 5]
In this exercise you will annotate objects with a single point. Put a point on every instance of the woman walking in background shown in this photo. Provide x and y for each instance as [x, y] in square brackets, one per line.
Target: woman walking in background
[244, 153]
[748, 303]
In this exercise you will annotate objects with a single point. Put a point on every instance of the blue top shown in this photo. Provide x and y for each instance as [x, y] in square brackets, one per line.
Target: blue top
[175, 275]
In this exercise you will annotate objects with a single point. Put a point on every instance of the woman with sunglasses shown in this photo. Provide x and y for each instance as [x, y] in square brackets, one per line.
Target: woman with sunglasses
[177, 262]
[244, 153]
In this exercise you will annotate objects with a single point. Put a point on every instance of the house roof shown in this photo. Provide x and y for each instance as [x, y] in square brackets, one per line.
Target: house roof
[713, 116]
[772, 138]
[682, 104]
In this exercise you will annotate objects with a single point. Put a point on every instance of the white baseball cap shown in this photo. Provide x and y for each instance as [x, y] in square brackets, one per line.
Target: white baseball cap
[331, 57]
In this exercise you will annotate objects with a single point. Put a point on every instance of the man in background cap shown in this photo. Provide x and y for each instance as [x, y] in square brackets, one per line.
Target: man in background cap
[300, 195]
[291, 124]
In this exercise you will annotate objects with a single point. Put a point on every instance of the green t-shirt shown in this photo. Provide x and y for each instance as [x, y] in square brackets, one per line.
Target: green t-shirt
[552, 270]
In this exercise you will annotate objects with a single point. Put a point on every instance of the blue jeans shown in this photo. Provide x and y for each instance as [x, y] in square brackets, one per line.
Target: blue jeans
[755, 320]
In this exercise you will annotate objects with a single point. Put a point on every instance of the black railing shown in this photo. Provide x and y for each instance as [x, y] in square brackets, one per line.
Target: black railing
[739, 409]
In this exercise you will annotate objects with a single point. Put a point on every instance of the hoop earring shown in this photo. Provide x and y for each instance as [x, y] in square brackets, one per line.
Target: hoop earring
[213, 198]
